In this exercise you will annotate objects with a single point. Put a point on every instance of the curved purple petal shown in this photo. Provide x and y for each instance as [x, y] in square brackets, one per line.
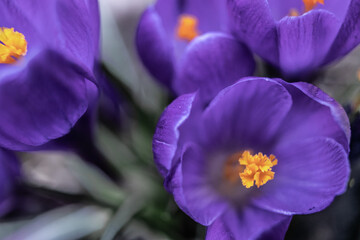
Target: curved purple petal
[309, 174]
[69, 26]
[314, 114]
[206, 63]
[218, 231]
[80, 27]
[336, 110]
[40, 104]
[154, 47]
[168, 12]
[253, 223]
[338, 8]
[203, 201]
[305, 40]
[174, 184]
[277, 231]
[13, 17]
[213, 17]
[166, 136]
[281, 8]
[349, 34]
[245, 115]
[252, 22]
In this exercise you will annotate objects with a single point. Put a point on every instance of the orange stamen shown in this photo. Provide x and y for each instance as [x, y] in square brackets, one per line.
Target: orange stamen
[258, 169]
[187, 27]
[310, 4]
[12, 45]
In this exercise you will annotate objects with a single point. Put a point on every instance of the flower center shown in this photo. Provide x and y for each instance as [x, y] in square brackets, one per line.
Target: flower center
[12, 45]
[249, 168]
[258, 168]
[187, 27]
[310, 4]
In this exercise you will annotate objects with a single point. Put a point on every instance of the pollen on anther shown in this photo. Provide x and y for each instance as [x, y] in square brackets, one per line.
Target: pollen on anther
[13, 45]
[187, 28]
[310, 4]
[258, 169]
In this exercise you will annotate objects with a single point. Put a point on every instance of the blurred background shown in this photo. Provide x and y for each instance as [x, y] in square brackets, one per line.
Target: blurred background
[64, 198]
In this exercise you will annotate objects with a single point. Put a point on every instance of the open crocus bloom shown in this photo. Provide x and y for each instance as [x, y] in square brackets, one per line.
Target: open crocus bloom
[260, 152]
[171, 31]
[47, 55]
[9, 177]
[297, 36]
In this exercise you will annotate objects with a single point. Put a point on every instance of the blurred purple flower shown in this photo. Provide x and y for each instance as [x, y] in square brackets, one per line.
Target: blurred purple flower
[9, 177]
[173, 31]
[299, 44]
[197, 150]
[45, 91]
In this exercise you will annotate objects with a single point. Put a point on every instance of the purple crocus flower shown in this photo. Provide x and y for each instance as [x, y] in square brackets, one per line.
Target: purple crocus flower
[172, 33]
[297, 36]
[260, 152]
[9, 178]
[47, 55]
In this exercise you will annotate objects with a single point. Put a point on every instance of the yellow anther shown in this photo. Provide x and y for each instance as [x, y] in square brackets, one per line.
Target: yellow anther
[187, 27]
[258, 168]
[310, 4]
[12, 45]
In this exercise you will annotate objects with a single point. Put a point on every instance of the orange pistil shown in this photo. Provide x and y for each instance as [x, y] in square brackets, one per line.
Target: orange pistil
[187, 27]
[12, 45]
[258, 169]
[310, 4]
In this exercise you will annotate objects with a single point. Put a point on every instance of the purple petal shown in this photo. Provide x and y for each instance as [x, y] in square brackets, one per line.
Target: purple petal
[278, 231]
[309, 174]
[336, 110]
[203, 201]
[218, 231]
[41, 103]
[69, 26]
[281, 8]
[349, 34]
[338, 8]
[245, 115]
[314, 114]
[11, 17]
[154, 47]
[206, 67]
[167, 135]
[305, 40]
[252, 22]
[79, 24]
[174, 184]
[168, 13]
[250, 223]
[213, 17]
